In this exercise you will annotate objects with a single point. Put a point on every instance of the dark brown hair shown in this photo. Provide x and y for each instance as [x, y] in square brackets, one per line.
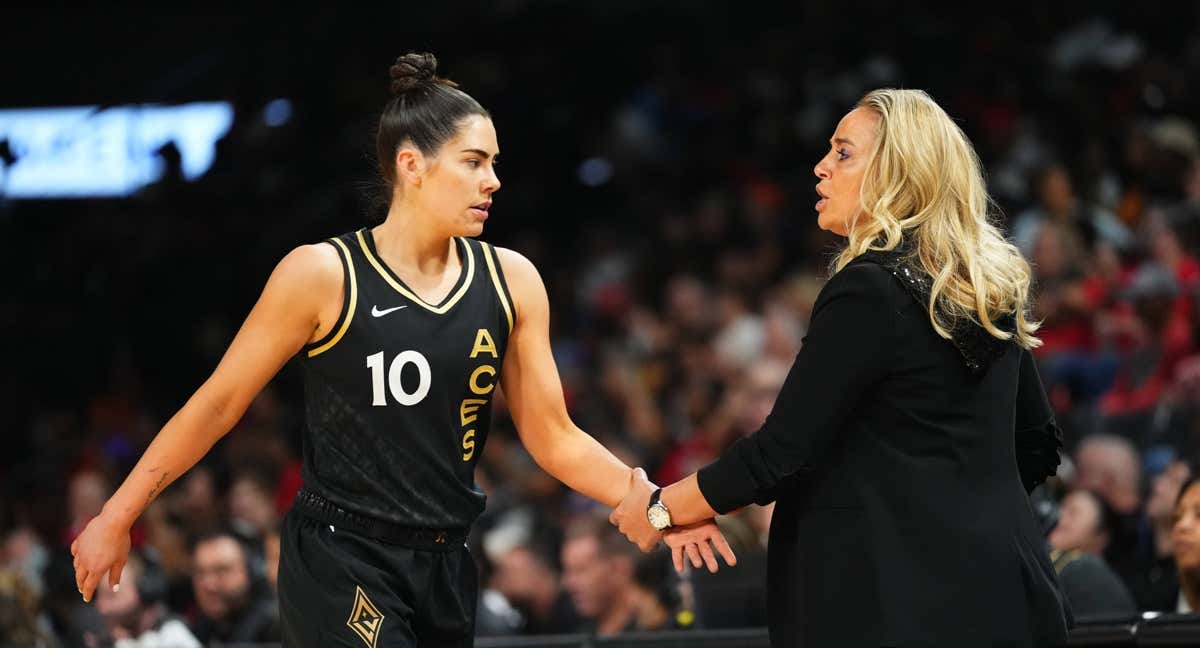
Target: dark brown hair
[425, 111]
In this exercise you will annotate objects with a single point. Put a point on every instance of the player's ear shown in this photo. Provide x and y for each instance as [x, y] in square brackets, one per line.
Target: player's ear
[411, 165]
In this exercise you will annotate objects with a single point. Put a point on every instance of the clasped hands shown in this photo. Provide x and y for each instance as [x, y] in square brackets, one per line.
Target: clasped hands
[693, 541]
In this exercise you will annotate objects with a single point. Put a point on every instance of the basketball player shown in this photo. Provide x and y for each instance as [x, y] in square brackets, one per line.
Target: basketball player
[404, 331]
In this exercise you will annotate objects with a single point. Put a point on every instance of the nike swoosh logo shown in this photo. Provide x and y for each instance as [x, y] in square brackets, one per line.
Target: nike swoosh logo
[380, 313]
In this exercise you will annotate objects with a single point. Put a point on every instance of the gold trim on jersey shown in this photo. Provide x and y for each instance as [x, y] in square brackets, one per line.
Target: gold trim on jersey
[440, 310]
[345, 252]
[491, 264]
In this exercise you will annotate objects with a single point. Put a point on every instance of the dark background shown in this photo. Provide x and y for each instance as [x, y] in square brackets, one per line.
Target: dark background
[710, 116]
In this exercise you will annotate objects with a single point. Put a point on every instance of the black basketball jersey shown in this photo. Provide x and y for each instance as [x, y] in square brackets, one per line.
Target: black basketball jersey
[399, 393]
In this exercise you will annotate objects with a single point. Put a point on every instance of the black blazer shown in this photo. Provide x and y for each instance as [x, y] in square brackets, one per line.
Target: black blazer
[900, 464]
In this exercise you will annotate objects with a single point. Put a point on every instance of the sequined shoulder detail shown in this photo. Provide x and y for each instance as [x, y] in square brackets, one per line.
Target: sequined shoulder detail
[979, 349]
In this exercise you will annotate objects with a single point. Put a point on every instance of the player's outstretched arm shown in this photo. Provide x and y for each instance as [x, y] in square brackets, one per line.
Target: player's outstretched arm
[535, 396]
[534, 392]
[291, 309]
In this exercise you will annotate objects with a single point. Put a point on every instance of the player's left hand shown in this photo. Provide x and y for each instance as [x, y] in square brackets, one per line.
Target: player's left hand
[630, 514]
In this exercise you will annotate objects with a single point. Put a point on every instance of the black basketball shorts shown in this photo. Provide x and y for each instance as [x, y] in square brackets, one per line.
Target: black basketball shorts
[338, 587]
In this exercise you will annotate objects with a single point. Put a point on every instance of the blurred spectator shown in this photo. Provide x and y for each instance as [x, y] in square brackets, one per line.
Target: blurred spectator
[1109, 466]
[20, 624]
[599, 573]
[200, 497]
[663, 602]
[86, 493]
[740, 337]
[744, 406]
[231, 597]
[1059, 204]
[1155, 581]
[72, 621]
[137, 615]
[1086, 523]
[167, 537]
[252, 502]
[1167, 250]
[1068, 297]
[1185, 538]
[23, 551]
[1085, 526]
[527, 578]
[1157, 334]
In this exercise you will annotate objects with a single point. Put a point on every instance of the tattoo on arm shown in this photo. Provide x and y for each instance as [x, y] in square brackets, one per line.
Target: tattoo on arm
[157, 487]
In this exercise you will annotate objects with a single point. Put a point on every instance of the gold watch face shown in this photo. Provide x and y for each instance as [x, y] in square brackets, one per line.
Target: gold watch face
[659, 518]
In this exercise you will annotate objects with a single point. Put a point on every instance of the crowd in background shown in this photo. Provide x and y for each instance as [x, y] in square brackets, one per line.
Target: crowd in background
[665, 192]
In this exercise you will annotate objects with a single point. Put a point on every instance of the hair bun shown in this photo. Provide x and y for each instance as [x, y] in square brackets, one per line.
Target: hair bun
[412, 71]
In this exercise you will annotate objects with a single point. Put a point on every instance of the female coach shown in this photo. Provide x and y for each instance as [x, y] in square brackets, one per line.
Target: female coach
[913, 422]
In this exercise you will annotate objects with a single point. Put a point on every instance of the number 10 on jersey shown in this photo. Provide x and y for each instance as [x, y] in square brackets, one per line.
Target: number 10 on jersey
[375, 364]
[481, 383]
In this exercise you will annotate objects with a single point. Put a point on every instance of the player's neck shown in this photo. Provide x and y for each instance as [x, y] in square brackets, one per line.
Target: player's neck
[405, 243]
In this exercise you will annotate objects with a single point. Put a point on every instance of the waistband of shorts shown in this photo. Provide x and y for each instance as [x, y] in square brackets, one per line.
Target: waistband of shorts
[321, 509]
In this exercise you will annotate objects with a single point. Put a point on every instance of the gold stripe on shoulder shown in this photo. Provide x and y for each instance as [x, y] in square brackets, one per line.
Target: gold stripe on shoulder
[440, 310]
[345, 252]
[491, 264]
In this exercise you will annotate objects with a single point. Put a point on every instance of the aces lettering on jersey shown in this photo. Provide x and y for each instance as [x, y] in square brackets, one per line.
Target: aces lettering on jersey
[481, 383]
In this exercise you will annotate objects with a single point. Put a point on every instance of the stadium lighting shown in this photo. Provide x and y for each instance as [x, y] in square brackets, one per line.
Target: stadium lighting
[88, 151]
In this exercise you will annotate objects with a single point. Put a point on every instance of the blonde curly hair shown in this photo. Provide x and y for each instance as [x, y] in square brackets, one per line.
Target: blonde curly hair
[923, 186]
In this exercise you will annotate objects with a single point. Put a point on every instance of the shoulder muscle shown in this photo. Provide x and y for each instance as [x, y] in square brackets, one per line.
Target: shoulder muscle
[524, 282]
[307, 281]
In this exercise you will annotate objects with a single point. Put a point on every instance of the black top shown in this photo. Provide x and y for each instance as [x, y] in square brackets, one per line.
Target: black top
[900, 463]
[399, 393]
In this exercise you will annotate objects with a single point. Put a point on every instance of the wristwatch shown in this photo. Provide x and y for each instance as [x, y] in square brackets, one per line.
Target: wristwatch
[657, 513]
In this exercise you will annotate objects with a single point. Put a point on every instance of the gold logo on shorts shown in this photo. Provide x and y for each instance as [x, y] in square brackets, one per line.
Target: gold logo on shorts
[365, 619]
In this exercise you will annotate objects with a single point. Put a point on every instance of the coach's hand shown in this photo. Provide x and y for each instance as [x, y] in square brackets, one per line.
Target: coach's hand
[630, 514]
[693, 541]
[100, 550]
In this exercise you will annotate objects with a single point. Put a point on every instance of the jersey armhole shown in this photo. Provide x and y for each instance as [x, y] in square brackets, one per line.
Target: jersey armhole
[493, 264]
[349, 303]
